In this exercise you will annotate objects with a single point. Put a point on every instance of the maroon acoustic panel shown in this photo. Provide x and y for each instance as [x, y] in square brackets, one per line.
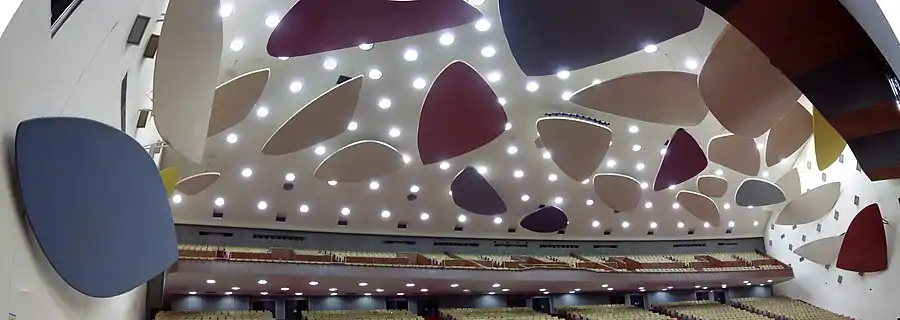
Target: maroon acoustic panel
[473, 193]
[460, 114]
[683, 160]
[315, 26]
[865, 245]
[545, 220]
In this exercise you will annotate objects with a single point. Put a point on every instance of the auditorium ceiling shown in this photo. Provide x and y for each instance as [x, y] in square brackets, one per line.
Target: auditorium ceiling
[476, 119]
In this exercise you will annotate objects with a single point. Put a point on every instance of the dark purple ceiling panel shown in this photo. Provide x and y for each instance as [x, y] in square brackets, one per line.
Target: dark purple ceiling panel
[473, 193]
[545, 220]
[683, 160]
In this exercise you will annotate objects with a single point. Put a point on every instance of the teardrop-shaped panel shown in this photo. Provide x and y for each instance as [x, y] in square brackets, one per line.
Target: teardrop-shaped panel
[823, 251]
[810, 206]
[197, 183]
[790, 184]
[189, 52]
[757, 193]
[170, 177]
[360, 161]
[235, 99]
[828, 142]
[321, 119]
[674, 99]
[734, 152]
[699, 206]
[865, 245]
[473, 193]
[741, 88]
[460, 114]
[788, 135]
[545, 220]
[577, 145]
[683, 160]
[617, 191]
[712, 186]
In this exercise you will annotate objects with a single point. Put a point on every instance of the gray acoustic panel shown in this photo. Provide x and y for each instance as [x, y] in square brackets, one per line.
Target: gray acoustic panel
[757, 192]
[545, 220]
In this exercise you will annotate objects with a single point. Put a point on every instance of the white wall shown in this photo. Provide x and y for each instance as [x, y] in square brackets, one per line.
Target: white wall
[870, 297]
[76, 73]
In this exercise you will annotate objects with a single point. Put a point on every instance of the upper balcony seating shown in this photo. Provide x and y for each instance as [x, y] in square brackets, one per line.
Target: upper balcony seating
[609, 312]
[359, 315]
[494, 314]
[651, 258]
[785, 308]
[215, 315]
[724, 257]
[706, 310]
[750, 256]
[685, 258]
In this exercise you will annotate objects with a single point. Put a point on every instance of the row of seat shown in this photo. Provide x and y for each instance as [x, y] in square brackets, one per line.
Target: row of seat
[493, 314]
[215, 315]
[609, 312]
[379, 314]
[782, 308]
[706, 310]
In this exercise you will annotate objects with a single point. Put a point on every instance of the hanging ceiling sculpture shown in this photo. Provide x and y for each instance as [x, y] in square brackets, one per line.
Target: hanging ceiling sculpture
[473, 193]
[683, 160]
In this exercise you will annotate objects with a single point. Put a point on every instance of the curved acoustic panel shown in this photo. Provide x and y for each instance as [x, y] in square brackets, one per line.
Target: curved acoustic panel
[741, 88]
[545, 220]
[619, 192]
[865, 245]
[473, 193]
[577, 145]
[699, 206]
[674, 98]
[360, 161]
[758, 192]
[170, 178]
[810, 206]
[197, 183]
[460, 114]
[533, 29]
[373, 21]
[683, 160]
[235, 99]
[788, 135]
[822, 251]
[790, 184]
[91, 214]
[321, 119]
[828, 142]
[712, 186]
[735, 152]
[190, 49]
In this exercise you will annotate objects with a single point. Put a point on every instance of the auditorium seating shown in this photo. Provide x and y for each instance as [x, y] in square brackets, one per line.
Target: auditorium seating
[494, 314]
[785, 309]
[609, 312]
[215, 315]
[359, 315]
[705, 310]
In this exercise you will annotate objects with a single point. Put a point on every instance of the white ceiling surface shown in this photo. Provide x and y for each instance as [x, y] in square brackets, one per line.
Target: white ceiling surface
[325, 202]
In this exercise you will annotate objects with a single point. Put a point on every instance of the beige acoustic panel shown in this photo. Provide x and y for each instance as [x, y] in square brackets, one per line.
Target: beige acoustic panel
[735, 152]
[789, 134]
[321, 119]
[360, 161]
[699, 205]
[823, 251]
[790, 184]
[617, 191]
[810, 206]
[235, 99]
[742, 89]
[712, 186]
[577, 145]
[197, 183]
[186, 75]
[665, 97]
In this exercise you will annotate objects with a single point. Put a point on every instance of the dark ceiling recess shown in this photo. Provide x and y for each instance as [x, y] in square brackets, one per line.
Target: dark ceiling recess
[342, 79]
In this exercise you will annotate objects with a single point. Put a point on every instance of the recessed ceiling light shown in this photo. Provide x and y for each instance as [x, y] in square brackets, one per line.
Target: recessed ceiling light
[366, 46]
[419, 83]
[653, 225]
[375, 74]
[650, 48]
[755, 223]
[298, 293]
[385, 214]
[648, 204]
[488, 51]
[410, 284]
[262, 282]
[610, 163]
[482, 170]
[691, 63]
[518, 173]
[644, 185]
[483, 24]
[384, 103]
[552, 177]
[749, 207]
[400, 293]
[211, 281]
[546, 154]
[231, 138]
[352, 126]
[563, 74]
[759, 146]
[532, 86]
[625, 224]
[334, 293]
[595, 223]
[498, 220]
[726, 206]
[424, 216]
[319, 150]
[504, 289]
[476, 2]
[501, 101]
[423, 290]
[731, 224]
[765, 174]
[671, 187]
[367, 294]
[262, 205]
[192, 292]
[406, 158]
[589, 202]
[507, 126]
[446, 39]
[496, 285]
[413, 188]
[571, 292]
[462, 218]
[219, 202]
[494, 76]
[345, 211]
[379, 290]
[225, 10]
[411, 55]
[228, 293]
[246, 173]
[285, 289]
[558, 200]
[454, 285]
[272, 20]
[585, 181]
[176, 198]
[680, 224]
[304, 208]
[566, 95]
[640, 166]
[313, 283]
[525, 197]
[374, 185]
[332, 289]
[296, 86]
[444, 165]
[633, 129]
[719, 172]
[596, 81]
[330, 64]
[363, 284]
[289, 177]
[676, 205]
[604, 286]
[237, 44]
[283, 58]
[394, 132]
[662, 151]
[706, 224]
[636, 148]
[262, 112]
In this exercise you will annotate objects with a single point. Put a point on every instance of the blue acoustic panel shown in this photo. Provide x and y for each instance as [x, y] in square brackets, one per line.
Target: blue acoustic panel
[96, 204]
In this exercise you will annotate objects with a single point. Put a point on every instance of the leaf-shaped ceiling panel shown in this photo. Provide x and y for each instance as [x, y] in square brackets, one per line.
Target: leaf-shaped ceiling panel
[810, 206]
[700, 206]
[735, 152]
[823, 251]
[755, 192]
[473, 193]
[197, 183]
[235, 99]
[788, 135]
[577, 146]
[617, 191]
[683, 160]
[360, 161]
[865, 245]
[545, 220]
[712, 186]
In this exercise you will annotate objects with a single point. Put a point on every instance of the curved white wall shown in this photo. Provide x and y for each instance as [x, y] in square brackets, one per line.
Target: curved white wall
[870, 297]
[76, 73]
